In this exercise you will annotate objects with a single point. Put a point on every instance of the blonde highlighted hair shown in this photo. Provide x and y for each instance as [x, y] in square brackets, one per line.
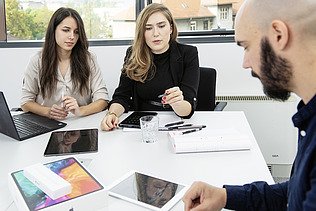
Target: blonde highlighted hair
[138, 65]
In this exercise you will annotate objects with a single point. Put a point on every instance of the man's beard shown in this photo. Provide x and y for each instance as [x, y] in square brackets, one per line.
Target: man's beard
[276, 73]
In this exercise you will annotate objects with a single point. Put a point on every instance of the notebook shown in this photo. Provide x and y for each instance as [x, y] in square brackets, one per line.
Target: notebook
[25, 125]
[214, 141]
[132, 121]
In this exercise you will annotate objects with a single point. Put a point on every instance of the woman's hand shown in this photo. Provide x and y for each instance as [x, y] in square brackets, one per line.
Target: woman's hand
[109, 122]
[173, 96]
[70, 104]
[57, 112]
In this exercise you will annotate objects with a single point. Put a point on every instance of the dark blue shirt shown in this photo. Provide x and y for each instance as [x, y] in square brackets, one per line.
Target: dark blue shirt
[299, 193]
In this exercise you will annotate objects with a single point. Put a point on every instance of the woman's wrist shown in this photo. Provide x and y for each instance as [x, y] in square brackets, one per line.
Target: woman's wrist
[111, 113]
[182, 108]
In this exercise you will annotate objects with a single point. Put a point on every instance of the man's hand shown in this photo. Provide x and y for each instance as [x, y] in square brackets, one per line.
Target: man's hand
[204, 197]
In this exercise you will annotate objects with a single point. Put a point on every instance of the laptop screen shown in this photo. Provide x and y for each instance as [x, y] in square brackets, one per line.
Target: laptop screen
[25, 125]
[7, 126]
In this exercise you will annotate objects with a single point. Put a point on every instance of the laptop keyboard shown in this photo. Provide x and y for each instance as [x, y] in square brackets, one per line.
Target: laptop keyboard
[27, 127]
[134, 120]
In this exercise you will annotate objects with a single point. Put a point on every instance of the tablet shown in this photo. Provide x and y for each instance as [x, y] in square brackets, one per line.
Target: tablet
[132, 121]
[72, 142]
[70, 169]
[148, 191]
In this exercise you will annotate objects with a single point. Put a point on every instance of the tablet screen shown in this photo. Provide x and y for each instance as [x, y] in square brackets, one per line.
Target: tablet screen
[82, 183]
[72, 142]
[143, 189]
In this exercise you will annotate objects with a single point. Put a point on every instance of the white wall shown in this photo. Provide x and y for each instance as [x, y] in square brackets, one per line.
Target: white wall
[226, 58]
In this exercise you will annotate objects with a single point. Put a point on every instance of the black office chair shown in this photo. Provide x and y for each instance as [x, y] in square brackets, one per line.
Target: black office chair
[207, 90]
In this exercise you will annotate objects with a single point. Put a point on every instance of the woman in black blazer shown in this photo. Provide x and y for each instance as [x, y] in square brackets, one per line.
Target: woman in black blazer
[158, 72]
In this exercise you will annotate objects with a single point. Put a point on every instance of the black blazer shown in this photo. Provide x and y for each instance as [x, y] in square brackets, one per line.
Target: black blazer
[184, 67]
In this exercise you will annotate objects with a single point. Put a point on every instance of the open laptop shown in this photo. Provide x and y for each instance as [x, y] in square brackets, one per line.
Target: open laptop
[25, 125]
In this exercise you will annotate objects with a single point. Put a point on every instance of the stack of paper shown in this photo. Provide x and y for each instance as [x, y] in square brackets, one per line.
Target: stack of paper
[208, 142]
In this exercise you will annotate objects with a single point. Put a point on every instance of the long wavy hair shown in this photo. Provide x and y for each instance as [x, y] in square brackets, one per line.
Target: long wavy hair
[140, 62]
[79, 59]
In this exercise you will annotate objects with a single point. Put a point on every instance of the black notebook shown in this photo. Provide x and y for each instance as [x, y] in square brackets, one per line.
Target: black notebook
[26, 125]
[132, 121]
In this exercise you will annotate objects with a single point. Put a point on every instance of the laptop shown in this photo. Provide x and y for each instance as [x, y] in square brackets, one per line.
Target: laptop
[25, 125]
[132, 121]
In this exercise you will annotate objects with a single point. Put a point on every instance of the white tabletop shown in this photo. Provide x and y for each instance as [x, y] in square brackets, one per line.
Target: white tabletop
[119, 152]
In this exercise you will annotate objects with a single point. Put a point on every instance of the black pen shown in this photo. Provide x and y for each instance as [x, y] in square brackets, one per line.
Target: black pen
[191, 131]
[186, 127]
[174, 123]
[179, 127]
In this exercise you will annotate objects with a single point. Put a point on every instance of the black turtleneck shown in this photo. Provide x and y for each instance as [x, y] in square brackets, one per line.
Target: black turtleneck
[161, 81]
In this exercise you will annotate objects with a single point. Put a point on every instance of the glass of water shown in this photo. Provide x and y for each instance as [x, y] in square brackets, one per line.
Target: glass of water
[149, 126]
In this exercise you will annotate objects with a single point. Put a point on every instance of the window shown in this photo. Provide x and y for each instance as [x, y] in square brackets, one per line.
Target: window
[204, 14]
[25, 20]
[193, 25]
[205, 25]
[3, 35]
[223, 11]
[103, 19]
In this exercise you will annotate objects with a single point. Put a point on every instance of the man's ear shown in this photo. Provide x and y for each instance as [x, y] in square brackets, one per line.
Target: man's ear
[280, 34]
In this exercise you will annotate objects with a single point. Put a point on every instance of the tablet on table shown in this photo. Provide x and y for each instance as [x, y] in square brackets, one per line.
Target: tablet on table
[72, 142]
[147, 191]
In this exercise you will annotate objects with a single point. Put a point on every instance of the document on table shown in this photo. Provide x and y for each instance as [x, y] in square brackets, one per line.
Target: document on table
[209, 141]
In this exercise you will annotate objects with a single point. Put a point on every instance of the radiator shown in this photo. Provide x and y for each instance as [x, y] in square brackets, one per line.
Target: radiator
[271, 123]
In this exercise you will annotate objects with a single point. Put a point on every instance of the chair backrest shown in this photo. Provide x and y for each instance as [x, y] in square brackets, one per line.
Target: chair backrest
[206, 90]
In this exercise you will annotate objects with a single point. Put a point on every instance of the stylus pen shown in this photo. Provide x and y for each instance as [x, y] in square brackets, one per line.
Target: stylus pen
[174, 123]
[191, 131]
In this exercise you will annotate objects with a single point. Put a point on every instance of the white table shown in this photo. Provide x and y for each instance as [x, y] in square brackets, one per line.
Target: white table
[119, 152]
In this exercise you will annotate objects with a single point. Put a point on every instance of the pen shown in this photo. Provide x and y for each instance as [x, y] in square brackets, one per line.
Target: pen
[174, 123]
[160, 96]
[191, 131]
[179, 127]
[187, 127]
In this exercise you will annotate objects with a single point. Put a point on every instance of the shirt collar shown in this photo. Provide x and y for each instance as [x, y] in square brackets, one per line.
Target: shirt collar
[304, 112]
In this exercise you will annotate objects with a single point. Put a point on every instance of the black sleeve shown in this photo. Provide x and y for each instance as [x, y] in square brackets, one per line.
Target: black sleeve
[191, 77]
[124, 92]
[257, 196]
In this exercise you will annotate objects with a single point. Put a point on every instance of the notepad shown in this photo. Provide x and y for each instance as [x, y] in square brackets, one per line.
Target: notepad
[208, 142]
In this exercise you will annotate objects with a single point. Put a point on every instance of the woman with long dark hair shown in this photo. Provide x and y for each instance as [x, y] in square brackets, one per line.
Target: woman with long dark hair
[64, 77]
